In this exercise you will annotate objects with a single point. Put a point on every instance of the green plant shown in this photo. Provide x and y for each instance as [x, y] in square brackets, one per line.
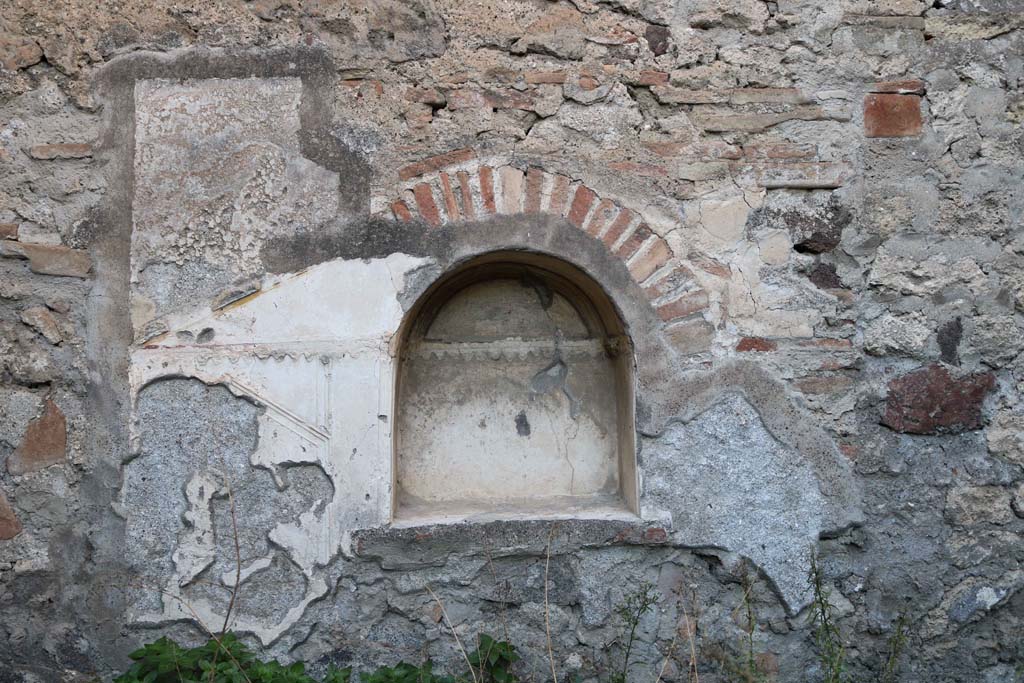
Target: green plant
[492, 660]
[631, 610]
[405, 673]
[897, 641]
[220, 660]
[827, 637]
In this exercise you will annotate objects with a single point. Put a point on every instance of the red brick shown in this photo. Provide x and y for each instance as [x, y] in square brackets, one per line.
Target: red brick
[667, 94]
[618, 226]
[426, 96]
[756, 344]
[701, 151]
[425, 203]
[60, 151]
[487, 188]
[468, 210]
[541, 77]
[435, 163]
[673, 279]
[602, 214]
[655, 257]
[450, 205]
[8, 231]
[710, 265]
[931, 401]
[510, 99]
[45, 442]
[588, 82]
[634, 242]
[534, 185]
[684, 305]
[911, 87]
[652, 78]
[780, 150]
[892, 116]
[49, 259]
[559, 195]
[581, 203]
[642, 170]
[401, 211]
[9, 524]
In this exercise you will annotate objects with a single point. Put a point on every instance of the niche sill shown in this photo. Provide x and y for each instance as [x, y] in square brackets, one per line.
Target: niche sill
[597, 507]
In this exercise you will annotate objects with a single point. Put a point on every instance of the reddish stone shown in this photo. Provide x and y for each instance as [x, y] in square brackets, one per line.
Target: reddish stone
[468, 210]
[652, 78]
[892, 116]
[534, 185]
[588, 83]
[45, 442]
[604, 211]
[426, 96]
[60, 151]
[642, 170]
[780, 150]
[756, 344]
[710, 265]
[684, 305]
[425, 203]
[618, 226]
[49, 259]
[487, 188]
[932, 401]
[581, 204]
[655, 257]
[912, 87]
[673, 279]
[509, 99]
[401, 211]
[542, 77]
[436, 163]
[655, 535]
[634, 242]
[8, 231]
[450, 205]
[827, 343]
[559, 195]
[9, 524]
[824, 276]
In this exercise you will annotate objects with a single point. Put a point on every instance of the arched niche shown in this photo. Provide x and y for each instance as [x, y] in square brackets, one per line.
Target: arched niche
[514, 397]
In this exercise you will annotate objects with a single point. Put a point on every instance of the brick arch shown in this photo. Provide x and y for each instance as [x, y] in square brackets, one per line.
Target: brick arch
[456, 187]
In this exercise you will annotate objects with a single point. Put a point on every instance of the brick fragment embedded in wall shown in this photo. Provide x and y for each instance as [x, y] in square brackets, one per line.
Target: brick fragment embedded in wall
[9, 524]
[47, 259]
[931, 401]
[8, 231]
[545, 77]
[684, 305]
[436, 163]
[892, 116]
[756, 344]
[44, 443]
[644, 264]
[60, 151]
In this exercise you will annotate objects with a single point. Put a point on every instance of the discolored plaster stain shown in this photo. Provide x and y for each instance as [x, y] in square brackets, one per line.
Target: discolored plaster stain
[522, 424]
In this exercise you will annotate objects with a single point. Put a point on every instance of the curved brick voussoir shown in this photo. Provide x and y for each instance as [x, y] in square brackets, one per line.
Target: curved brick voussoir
[456, 186]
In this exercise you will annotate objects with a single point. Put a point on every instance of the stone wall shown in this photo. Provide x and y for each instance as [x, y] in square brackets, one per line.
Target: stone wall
[216, 218]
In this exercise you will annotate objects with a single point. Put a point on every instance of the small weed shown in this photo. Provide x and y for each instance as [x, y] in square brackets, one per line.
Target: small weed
[492, 660]
[831, 652]
[631, 610]
[897, 641]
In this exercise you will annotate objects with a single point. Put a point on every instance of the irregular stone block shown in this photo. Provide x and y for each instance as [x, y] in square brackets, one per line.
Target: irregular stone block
[932, 401]
[42, 321]
[979, 505]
